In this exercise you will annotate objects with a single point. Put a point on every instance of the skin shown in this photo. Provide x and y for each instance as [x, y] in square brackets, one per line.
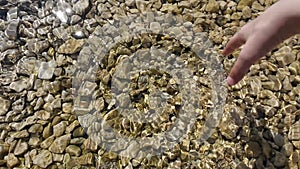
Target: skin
[261, 35]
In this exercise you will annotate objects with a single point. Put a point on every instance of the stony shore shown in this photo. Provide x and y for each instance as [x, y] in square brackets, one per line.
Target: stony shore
[41, 42]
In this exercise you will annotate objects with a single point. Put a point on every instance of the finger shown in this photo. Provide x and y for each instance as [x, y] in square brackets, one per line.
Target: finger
[250, 53]
[235, 42]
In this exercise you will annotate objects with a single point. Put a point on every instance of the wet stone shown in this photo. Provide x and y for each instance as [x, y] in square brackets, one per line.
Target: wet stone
[46, 70]
[12, 29]
[43, 159]
[12, 13]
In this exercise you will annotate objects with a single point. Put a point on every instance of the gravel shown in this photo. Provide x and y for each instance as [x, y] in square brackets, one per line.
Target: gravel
[48, 50]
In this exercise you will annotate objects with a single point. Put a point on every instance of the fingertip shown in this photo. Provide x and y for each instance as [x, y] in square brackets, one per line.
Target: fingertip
[230, 81]
[224, 52]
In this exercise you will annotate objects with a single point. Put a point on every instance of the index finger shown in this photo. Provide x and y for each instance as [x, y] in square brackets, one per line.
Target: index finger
[235, 42]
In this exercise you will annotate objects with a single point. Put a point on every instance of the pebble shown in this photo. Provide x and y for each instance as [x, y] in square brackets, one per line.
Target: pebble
[212, 6]
[243, 3]
[294, 132]
[280, 160]
[34, 142]
[81, 7]
[20, 134]
[11, 31]
[4, 148]
[43, 159]
[12, 13]
[59, 144]
[21, 148]
[85, 159]
[5, 105]
[20, 85]
[71, 46]
[11, 160]
[46, 70]
[253, 149]
[73, 150]
[59, 128]
[278, 139]
[47, 142]
[57, 157]
[37, 113]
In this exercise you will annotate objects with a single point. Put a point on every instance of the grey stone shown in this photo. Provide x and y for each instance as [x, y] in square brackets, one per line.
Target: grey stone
[280, 159]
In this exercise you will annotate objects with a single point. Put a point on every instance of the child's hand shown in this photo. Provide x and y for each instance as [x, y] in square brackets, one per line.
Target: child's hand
[261, 35]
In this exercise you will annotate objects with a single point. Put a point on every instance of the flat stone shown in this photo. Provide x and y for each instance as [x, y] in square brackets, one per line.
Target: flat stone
[43, 159]
[59, 145]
